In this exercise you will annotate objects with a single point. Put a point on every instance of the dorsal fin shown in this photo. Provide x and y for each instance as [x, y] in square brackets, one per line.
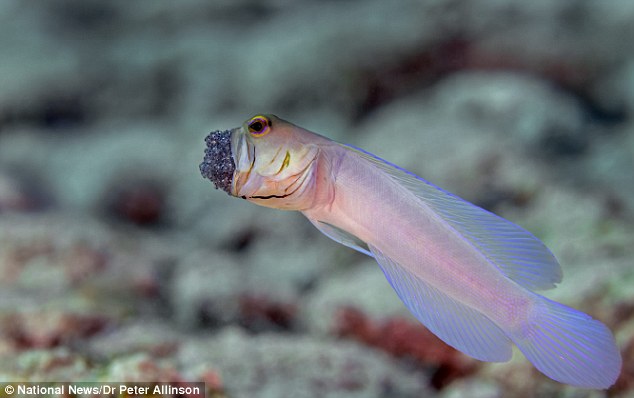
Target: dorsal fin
[515, 252]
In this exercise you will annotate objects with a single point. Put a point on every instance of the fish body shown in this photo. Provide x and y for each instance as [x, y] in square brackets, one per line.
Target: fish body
[465, 273]
[420, 240]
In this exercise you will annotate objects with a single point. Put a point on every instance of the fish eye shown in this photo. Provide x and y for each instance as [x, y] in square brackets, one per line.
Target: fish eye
[259, 126]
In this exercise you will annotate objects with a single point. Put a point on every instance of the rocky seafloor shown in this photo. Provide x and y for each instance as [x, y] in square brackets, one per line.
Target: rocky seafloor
[119, 262]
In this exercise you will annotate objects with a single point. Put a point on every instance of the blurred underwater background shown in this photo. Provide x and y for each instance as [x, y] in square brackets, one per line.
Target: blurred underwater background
[119, 262]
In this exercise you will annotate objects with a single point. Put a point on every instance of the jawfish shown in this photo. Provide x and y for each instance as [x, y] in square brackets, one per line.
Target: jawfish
[468, 275]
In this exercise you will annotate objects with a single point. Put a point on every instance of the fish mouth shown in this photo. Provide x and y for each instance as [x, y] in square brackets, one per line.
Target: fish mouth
[218, 164]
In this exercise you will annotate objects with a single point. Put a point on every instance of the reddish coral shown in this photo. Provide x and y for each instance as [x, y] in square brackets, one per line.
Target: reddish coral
[148, 370]
[82, 261]
[44, 329]
[381, 85]
[403, 338]
[138, 201]
[258, 313]
[19, 194]
[625, 382]
[213, 383]
[147, 285]
[77, 261]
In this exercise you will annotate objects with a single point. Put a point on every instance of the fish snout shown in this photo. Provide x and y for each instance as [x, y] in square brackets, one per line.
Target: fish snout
[218, 164]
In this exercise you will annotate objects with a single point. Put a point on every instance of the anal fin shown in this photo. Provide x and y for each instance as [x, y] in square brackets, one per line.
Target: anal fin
[457, 324]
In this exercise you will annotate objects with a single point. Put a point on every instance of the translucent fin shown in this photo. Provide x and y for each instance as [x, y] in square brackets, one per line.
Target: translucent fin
[456, 324]
[514, 251]
[341, 236]
[570, 347]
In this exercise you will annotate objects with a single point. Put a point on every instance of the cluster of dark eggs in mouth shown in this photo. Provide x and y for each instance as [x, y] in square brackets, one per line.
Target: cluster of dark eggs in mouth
[218, 165]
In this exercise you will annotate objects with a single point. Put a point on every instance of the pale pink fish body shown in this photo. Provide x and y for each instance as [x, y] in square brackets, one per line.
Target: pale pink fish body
[466, 274]
[366, 205]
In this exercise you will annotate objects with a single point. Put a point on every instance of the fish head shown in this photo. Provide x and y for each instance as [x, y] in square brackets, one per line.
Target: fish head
[267, 160]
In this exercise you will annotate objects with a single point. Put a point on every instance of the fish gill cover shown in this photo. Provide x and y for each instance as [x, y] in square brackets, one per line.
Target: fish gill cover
[218, 164]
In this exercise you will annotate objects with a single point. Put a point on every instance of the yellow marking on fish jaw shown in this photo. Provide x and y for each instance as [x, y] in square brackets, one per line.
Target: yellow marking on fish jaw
[286, 162]
[275, 156]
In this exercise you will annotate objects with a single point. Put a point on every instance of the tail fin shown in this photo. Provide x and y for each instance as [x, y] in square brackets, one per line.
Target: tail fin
[570, 347]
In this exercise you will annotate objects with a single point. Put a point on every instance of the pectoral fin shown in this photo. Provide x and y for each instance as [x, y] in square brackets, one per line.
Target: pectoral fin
[341, 236]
